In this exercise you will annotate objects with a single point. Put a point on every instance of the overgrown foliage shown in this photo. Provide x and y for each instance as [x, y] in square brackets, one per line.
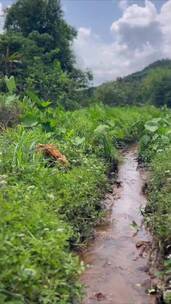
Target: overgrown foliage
[151, 85]
[155, 150]
[36, 49]
[48, 209]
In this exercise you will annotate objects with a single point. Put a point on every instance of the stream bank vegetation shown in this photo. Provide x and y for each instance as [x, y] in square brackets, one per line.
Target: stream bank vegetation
[49, 210]
[155, 151]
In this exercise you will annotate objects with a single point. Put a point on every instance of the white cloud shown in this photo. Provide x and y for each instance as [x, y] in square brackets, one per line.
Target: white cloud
[123, 4]
[141, 36]
[84, 32]
[103, 59]
[1, 9]
[136, 15]
[165, 21]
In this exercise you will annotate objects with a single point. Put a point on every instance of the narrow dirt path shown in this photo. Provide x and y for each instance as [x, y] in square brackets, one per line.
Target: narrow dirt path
[118, 272]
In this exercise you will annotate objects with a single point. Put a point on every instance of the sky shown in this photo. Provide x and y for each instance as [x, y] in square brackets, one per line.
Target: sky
[117, 37]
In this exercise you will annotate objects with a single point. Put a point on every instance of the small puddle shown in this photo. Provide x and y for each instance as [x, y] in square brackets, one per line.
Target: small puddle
[117, 270]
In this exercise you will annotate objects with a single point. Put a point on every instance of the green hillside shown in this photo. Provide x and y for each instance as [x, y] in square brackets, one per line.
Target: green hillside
[140, 75]
[151, 85]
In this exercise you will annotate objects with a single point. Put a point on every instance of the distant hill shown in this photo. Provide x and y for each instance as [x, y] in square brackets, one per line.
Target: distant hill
[164, 63]
[150, 85]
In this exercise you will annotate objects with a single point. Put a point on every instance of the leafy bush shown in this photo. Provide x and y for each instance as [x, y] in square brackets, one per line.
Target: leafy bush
[9, 105]
[36, 266]
[155, 150]
[48, 210]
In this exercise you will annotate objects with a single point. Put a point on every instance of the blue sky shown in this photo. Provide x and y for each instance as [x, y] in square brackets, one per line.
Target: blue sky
[97, 14]
[6, 2]
[118, 37]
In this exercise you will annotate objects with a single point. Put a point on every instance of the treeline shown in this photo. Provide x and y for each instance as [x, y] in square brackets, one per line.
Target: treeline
[151, 85]
[35, 48]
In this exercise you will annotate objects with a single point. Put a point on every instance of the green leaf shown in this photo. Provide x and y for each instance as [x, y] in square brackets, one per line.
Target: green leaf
[45, 104]
[145, 139]
[29, 121]
[101, 129]
[46, 126]
[9, 100]
[10, 83]
[152, 126]
[33, 97]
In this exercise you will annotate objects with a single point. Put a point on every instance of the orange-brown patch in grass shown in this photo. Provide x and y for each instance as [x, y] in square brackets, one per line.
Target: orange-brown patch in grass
[52, 152]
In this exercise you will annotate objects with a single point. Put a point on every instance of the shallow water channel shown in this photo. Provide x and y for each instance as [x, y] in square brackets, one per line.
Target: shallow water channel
[117, 259]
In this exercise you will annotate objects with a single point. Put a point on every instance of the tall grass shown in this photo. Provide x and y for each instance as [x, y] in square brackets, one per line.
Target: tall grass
[48, 210]
[155, 151]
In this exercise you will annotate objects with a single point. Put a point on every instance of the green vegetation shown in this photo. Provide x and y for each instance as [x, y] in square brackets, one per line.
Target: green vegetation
[151, 85]
[155, 150]
[36, 49]
[48, 209]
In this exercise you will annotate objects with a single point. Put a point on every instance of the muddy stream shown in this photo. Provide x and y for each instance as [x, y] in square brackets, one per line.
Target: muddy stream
[117, 259]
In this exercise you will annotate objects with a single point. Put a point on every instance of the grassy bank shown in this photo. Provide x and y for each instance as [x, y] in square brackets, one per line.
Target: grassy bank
[155, 150]
[47, 210]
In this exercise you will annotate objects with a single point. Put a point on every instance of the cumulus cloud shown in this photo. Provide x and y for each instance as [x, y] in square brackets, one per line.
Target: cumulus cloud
[165, 21]
[103, 59]
[140, 36]
[123, 4]
[138, 26]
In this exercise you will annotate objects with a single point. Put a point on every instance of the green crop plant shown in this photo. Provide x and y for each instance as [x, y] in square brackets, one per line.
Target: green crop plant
[50, 211]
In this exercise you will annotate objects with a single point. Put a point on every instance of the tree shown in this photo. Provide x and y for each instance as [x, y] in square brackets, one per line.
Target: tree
[36, 49]
[43, 17]
[156, 87]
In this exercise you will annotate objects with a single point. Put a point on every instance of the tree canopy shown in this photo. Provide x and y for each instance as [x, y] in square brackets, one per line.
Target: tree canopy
[36, 49]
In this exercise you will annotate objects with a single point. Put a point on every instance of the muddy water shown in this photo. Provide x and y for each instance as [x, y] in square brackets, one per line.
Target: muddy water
[117, 270]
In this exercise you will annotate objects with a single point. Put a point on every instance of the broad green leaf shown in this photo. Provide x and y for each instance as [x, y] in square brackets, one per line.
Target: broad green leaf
[101, 129]
[152, 126]
[10, 83]
[29, 121]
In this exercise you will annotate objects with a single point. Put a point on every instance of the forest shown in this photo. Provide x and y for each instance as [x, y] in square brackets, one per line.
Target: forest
[50, 205]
